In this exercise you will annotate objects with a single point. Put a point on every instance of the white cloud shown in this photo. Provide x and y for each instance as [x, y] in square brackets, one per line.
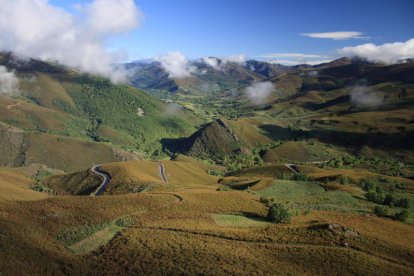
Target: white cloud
[173, 109]
[220, 64]
[292, 55]
[9, 83]
[213, 62]
[388, 52]
[236, 59]
[176, 64]
[335, 35]
[297, 62]
[113, 16]
[259, 92]
[295, 58]
[362, 96]
[35, 28]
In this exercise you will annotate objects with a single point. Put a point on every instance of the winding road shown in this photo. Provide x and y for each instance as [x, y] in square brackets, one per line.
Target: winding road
[293, 168]
[13, 105]
[105, 180]
[162, 171]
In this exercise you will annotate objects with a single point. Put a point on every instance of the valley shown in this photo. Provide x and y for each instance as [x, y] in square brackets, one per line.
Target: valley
[189, 176]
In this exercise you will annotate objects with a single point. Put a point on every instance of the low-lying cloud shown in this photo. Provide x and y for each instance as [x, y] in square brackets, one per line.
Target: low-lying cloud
[291, 59]
[173, 109]
[219, 64]
[362, 96]
[335, 35]
[176, 64]
[259, 92]
[37, 29]
[388, 52]
[9, 83]
[213, 62]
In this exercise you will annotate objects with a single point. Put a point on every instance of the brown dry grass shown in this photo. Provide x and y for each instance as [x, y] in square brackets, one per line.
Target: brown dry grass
[134, 176]
[172, 236]
[354, 174]
[15, 186]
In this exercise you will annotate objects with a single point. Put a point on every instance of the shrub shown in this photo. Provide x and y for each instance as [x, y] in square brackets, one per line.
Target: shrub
[381, 211]
[375, 197]
[264, 200]
[344, 180]
[403, 203]
[368, 184]
[389, 200]
[224, 188]
[401, 216]
[278, 214]
[300, 177]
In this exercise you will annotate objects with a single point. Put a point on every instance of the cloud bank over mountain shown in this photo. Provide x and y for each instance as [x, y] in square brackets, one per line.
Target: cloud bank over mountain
[388, 52]
[9, 83]
[176, 64]
[37, 29]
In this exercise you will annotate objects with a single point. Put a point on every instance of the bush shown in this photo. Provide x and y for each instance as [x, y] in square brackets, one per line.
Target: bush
[264, 200]
[375, 197]
[278, 214]
[368, 184]
[389, 200]
[224, 188]
[401, 216]
[300, 177]
[403, 203]
[381, 211]
[344, 180]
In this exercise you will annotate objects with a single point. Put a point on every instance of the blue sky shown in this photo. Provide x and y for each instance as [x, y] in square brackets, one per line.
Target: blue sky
[228, 27]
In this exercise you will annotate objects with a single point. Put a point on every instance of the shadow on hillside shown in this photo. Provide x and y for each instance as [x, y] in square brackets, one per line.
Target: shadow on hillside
[173, 145]
[376, 140]
[254, 216]
[317, 106]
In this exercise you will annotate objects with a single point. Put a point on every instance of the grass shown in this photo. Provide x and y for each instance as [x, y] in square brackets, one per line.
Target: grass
[143, 175]
[306, 196]
[87, 238]
[15, 186]
[301, 151]
[238, 220]
[184, 236]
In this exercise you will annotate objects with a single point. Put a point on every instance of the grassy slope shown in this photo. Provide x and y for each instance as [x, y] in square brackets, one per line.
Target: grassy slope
[170, 236]
[137, 176]
[15, 186]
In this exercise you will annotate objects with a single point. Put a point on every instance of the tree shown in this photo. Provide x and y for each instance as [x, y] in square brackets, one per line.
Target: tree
[401, 216]
[278, 214]
[403, 203]
[380, 211]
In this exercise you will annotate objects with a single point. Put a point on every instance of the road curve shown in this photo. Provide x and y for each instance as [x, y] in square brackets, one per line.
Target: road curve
[161, 168]
[293, 168]
[10, 106]
[105, 179]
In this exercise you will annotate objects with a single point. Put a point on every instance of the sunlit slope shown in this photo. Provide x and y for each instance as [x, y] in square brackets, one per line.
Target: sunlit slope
[57, 100]
[195, 235]
[21, 148]
[15, 186]
[137, 176]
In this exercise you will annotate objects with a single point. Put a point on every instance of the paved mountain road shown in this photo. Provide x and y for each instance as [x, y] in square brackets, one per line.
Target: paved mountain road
[161, 168]
[105, 179]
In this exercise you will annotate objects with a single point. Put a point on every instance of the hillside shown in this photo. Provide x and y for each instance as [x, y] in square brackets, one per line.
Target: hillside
[55, 101]
[318, 177]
